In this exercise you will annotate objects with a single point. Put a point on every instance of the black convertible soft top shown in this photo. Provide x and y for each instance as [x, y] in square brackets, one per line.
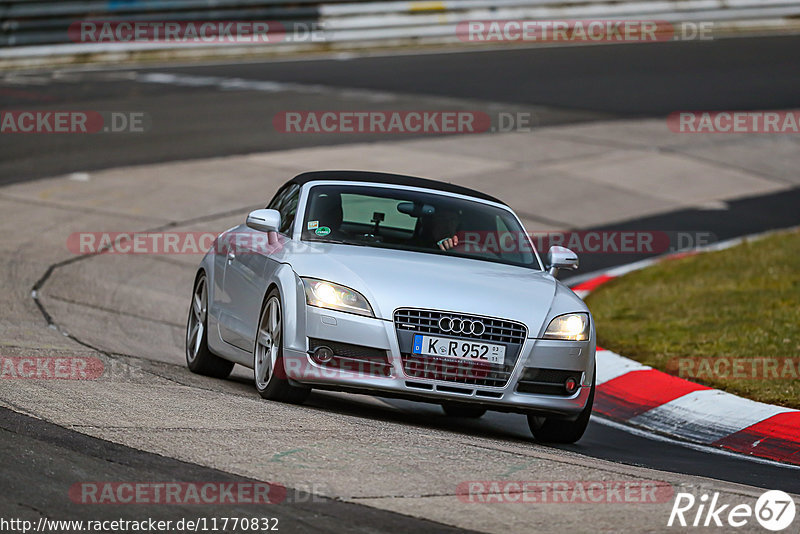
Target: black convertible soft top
[389, 178]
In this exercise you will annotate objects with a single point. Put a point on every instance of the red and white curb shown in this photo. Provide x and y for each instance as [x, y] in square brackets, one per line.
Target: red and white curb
[636, 394]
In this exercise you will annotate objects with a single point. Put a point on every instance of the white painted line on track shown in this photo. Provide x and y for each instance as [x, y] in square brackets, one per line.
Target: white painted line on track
[342, 55]
[266, 86]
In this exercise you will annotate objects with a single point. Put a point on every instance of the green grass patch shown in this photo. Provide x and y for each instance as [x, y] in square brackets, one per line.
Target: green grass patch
[728, 319]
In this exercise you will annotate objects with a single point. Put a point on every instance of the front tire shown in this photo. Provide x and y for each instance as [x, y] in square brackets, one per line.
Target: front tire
[270, 375]
[199, 359]
[463, 410]
[560, 430]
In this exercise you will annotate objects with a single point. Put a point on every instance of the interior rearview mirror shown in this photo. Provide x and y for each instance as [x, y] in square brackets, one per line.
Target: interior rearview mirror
[415, 209]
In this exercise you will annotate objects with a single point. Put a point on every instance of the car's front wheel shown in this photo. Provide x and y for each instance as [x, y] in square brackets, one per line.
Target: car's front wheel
[270, 375]
[199, 358]
[551, 430]
[463, 410]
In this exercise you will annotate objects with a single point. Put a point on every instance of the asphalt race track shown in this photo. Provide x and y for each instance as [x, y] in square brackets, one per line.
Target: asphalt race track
[43, 442]
[200, 113]
[196, 115]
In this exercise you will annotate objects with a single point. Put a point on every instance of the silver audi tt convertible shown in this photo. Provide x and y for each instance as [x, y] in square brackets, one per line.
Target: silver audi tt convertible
[396, 286]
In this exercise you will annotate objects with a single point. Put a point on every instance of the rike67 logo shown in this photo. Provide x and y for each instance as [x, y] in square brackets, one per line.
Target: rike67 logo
[774, 510]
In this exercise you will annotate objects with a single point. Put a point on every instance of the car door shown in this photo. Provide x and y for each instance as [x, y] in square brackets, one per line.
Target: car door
[249, 265]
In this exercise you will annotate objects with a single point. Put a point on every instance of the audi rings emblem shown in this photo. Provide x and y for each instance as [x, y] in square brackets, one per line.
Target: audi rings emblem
[454, 325]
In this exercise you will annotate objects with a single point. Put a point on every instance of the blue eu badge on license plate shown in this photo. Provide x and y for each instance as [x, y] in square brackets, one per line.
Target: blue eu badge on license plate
[417, 344]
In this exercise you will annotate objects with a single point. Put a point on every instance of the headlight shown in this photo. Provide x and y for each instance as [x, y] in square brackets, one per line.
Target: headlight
[569, 327]
[329, 295]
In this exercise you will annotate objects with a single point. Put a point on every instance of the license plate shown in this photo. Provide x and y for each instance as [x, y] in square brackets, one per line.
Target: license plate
[455, 348]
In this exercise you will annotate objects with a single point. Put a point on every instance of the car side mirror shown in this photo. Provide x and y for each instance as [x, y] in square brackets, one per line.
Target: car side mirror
[264, 220]
[561, 258]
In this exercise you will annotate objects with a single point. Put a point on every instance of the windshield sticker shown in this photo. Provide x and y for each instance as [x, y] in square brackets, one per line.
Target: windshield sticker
[322, 231]
[313, 225]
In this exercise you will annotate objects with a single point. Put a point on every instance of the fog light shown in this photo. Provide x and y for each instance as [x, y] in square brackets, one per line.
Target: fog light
[323, 355]
[571, 385]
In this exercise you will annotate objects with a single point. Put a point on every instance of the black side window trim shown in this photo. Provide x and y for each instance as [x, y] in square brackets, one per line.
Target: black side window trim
[281, 201]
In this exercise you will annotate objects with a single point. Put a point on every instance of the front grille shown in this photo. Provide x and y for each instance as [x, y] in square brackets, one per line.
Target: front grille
[427, 322]
[410, 321]
[354, 358]
[545, 381]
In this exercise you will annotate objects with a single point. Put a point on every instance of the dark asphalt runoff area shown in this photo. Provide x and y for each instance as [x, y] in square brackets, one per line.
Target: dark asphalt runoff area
[199, 120]
[639, 80]
[63, 456]
[195, 118]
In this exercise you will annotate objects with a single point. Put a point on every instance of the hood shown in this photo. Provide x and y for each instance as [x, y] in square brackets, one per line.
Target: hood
[392, 279]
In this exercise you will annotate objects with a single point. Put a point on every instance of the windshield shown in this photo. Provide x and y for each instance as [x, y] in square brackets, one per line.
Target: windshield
[411, 220]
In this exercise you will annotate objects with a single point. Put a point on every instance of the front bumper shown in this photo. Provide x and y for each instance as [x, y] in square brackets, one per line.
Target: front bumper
[394, 380]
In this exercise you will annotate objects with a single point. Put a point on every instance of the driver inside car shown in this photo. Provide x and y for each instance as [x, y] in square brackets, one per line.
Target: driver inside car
[443, 225]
